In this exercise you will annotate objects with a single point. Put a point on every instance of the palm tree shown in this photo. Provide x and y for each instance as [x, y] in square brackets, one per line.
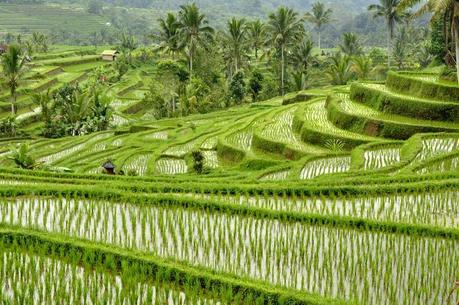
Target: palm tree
[351, 45]
[22, 157]
[362, 66]
[193, 30]
[340, 69]
[169, 28]
[319, 16]
[447, 8]
[390, 10]
[302, 56]
[236, 42]
[285, 30]
[13, 64]
[256, 35]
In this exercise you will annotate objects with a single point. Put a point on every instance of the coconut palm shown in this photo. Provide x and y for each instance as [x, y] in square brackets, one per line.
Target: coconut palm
[14, 66]
[235, 41]
[340, 69]
[319, 16]
[285, 30]
[446, 8]
[362, 66]
[194, 30]
[168, 35]
[351, 45]
[256, 33]
[389, 10]
[302, 55]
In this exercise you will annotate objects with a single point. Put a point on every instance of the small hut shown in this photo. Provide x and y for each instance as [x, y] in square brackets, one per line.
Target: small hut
[110, 55]
[109, 167]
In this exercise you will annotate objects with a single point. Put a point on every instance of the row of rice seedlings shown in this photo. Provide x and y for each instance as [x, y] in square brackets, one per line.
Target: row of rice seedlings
[210, 158]
[316, 117]
[380, 158]
[276, 176]
[181, 150]
[159, 135]
[137, 164]
[282, 129]
[242, 139]
[368, 267]
[49, 159]
[118, 120]
[430, 208]
[432, 147]
[210, 143]
[37, 280]
[446, 165]
[323, 166]
[171, 166]
[52, 158]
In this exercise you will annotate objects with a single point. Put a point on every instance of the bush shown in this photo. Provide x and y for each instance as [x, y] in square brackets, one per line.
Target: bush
[198, 161]
[237, 89]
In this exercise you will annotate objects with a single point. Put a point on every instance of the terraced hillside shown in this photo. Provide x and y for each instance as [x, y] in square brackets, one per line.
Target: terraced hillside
[343, 195]
[29, 18]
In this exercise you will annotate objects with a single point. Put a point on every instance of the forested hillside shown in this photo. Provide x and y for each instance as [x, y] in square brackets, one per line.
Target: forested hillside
[81, 21]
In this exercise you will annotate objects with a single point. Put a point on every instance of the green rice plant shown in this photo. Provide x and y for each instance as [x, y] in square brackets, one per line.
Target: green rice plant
[33, 279]
[380, 158]
[364, 266]
[171, 166]
[276, 176]
[326, 165]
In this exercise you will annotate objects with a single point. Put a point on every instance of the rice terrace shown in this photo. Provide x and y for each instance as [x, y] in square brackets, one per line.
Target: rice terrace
[218, 153]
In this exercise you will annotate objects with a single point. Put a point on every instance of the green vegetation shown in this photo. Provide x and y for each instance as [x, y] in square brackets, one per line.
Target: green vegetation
[231, 162]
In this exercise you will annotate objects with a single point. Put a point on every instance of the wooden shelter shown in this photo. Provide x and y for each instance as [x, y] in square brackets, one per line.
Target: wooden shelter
[110, 55]
[109, 167]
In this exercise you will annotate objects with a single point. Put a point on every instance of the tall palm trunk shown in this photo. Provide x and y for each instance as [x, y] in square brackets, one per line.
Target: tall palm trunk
[282, 68]
[320, 38]
[456, 34]
[389, 51]
[13, 103]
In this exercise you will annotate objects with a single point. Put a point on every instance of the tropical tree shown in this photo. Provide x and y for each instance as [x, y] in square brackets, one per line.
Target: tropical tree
[22, 157]
[351, 45]
[194, 31]
[319, 16]
[14, 66]
[235, 41]
[302, 55]
[340, 69]
[256, 35]
[448, 10]
[362, 66]
[169, 28]
[390, 11]
[285, 29]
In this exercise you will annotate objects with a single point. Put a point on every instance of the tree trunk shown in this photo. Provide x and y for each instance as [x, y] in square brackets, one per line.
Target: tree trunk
[13, 104]
[319, 40]
[282, 70]
[456, 35]
[256, 53]
[191, 65]
[388, 47]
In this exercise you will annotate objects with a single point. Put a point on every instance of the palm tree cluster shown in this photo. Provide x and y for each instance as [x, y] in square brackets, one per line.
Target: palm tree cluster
[282, 38]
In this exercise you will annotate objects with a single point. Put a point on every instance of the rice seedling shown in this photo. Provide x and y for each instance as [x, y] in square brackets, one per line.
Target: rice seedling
[159, 135]
[380, 158]
[137, 164]
[432, 147]
[276, 176]
[210, 158]
[369, 267]
[242, 139]
[171, 166]
[327, 165]
[32, 279]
